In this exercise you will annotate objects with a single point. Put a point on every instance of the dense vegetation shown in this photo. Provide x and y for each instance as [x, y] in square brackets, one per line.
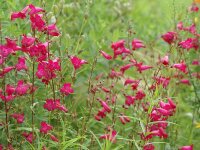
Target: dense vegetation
[101, 74]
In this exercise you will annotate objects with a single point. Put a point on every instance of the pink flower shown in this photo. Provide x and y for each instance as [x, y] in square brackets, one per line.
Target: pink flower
[6, 70]
[163, 81]
[45, 127]
[165, 60]
[182, 67]
[1, 147]
[125, 67]
[105, 55]
[124, 119]
[196, 62]
[49, 105]
[77, 62]
[149, 146]
[27, 41]
[189, 44]
[54, 138]
[169, 37]
[21, 14]
[21, 65]
[111, 136]
[190, 147]
[18, 117]
[105, 106]
[37, 22]
[66, 89]
[39, 51]
[113, 74]
[140, 67]
[28, 136]
[21, 88]
[47, 70]
[52, 30]
[137, 44]
[35, 10]
[118, 45]
[129, 101]
[185, 81]
[10, 90]
[140, 95]
[194, 8]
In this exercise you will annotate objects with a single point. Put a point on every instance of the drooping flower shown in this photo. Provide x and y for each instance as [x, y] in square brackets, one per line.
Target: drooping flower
[51, 105]
[47, 70]
[21, 14]
[21, 88]
[129, 101]
[67, 89]
[77, 62]
[164, 60]
[52, 30]
[27, 41]
[10, 90]
[118, 45]
[6, 70]
[34, 10]
[140, 67]
[38, 51]
[105, 55]
[124, 119]
[162, 81]
[149, 146]
[45, 127]
[54, 138]
[18, 117]
[185, 81]
[111, 136]
[189, 43]
[21, 65]
[140, 94]
[137, 44]
[190, 147]
[125, 67]
[28, 136]
[181, 66]
[169, 37]
[105, 106]
[37, 22]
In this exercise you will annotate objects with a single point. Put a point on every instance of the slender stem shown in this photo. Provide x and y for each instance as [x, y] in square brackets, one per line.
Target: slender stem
[32, 96]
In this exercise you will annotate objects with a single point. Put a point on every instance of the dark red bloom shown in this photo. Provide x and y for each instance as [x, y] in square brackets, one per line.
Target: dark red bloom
[105, 55]
[77, 62]
[21, 65]
[137, 44]
[149, 146]
[111, 136]
[66, 89]
[54, 138]
[181, 66]
[45, 127]
[169, 37]
[21, 14]
[18, 117]
[28, 136]
[21, 88]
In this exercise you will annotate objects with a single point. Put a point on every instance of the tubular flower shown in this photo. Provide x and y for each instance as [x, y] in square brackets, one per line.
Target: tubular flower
[45, 127]
[28, 136]
[105, 55]
[137, 44]
[169, 37]
[77, 62]
[52, 30]
[182, 67]
[111, 136]
[21, 65]
[190, 147]
[66, 89]
[18, 117]
[21, 88]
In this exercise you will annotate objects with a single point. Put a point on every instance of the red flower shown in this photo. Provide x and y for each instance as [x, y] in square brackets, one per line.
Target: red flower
[169, 37]
[165, 60]
[21, 65]
[149, 146]
[190, 147]
[189, 44]
[105, 106]
[18, 117]
[111, 136]
[140, 67]
[105, 55]
[45, 127]
[21, 88]
[185, 81]
[125, 67]
[162, 80]
[66, 89]
[118, 45]
[21, 14]
[35, 10]
[140, 95]
[136, 44]
[28, 136]
[52, 30]
[27, 41]
[1, 147]
[182, 67]
[77, 62]
[124, 119]
[10, 90]
[37, 22]
[54, 138]
[129, 101]
[49, 105]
